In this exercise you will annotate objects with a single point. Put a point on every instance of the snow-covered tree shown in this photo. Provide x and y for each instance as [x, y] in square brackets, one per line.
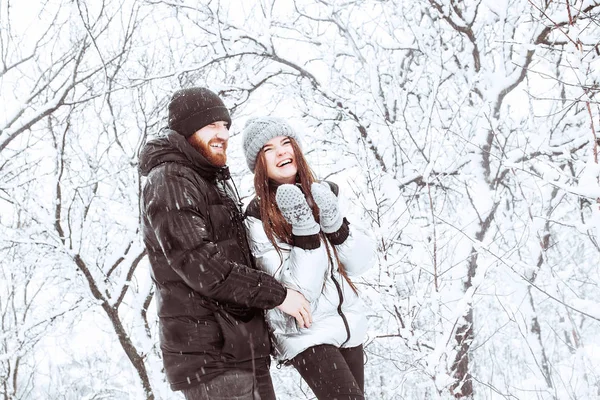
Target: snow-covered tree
[466, 133]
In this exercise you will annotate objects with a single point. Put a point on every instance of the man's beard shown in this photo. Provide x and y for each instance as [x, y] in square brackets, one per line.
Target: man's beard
[216, 159]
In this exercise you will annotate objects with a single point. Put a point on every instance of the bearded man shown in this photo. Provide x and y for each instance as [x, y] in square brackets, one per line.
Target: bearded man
[210, 297]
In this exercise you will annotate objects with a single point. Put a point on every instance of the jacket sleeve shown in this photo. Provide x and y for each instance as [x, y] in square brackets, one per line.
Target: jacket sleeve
[301, 270]
[355, 245]
[175, 209]
[357, 252]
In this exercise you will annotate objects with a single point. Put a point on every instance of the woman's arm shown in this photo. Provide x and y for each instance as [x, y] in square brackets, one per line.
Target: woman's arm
[355, 245]
[357, 252]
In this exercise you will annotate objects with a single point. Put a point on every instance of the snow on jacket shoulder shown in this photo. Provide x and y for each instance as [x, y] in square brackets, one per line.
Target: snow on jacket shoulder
[311, 273]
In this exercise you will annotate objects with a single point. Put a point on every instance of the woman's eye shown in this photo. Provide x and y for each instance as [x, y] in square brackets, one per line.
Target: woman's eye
[266, 149]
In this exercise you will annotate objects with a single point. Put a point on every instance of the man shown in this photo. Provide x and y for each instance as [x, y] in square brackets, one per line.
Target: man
[210, 298]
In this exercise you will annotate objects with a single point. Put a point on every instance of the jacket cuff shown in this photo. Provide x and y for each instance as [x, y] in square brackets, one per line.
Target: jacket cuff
[271, 292]
[338, 237]
[309, 242]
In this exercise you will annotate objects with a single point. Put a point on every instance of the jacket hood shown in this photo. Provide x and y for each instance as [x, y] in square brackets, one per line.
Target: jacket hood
[173, 147]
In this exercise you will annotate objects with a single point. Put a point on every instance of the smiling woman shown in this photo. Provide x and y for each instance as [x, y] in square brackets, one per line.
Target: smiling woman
[299, 235]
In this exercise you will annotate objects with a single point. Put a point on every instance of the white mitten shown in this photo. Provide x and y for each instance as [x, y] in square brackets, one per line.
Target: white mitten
[330, 216]
[295, 210]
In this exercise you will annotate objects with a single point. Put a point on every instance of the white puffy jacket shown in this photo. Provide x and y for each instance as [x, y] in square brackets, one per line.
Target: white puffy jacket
[311, 273]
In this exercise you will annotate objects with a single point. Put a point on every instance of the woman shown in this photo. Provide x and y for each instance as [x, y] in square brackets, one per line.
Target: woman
[318, 259]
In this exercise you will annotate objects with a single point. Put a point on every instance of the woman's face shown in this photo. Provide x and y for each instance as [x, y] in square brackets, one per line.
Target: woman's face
[280, 160]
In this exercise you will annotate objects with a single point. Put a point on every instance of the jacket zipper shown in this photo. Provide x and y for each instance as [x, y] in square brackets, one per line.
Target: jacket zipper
[339, 308]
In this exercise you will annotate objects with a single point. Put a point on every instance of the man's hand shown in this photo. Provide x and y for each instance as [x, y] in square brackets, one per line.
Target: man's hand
[298, 307]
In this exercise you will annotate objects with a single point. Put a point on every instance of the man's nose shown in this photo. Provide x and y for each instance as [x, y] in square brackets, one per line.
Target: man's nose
[223, 133]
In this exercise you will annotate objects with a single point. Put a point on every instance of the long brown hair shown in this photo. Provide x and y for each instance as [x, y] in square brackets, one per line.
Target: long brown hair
[274, 224]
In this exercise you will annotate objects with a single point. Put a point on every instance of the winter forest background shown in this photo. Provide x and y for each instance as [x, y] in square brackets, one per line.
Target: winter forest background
[466, 134]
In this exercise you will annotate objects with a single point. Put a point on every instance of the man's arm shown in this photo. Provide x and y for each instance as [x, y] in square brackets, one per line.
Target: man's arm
[302, 270]
[173, 207]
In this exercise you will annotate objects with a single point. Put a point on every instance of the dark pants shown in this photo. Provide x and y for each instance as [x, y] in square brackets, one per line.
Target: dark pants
[235, 384]
[333, 373]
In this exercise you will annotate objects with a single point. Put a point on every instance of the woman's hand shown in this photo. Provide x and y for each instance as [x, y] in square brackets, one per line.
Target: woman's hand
[329, 210]
[294, 208]
[298, 307]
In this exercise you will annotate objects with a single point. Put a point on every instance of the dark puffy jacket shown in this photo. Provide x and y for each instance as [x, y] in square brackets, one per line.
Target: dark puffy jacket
[196, 244]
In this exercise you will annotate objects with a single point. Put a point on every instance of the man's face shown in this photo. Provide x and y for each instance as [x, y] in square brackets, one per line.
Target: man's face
[211, 142]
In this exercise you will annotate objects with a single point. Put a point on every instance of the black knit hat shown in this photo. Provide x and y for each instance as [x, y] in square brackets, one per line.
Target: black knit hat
[194, 108]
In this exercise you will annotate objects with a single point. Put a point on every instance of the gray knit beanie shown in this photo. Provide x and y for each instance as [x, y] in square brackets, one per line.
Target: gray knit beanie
[259, 130]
